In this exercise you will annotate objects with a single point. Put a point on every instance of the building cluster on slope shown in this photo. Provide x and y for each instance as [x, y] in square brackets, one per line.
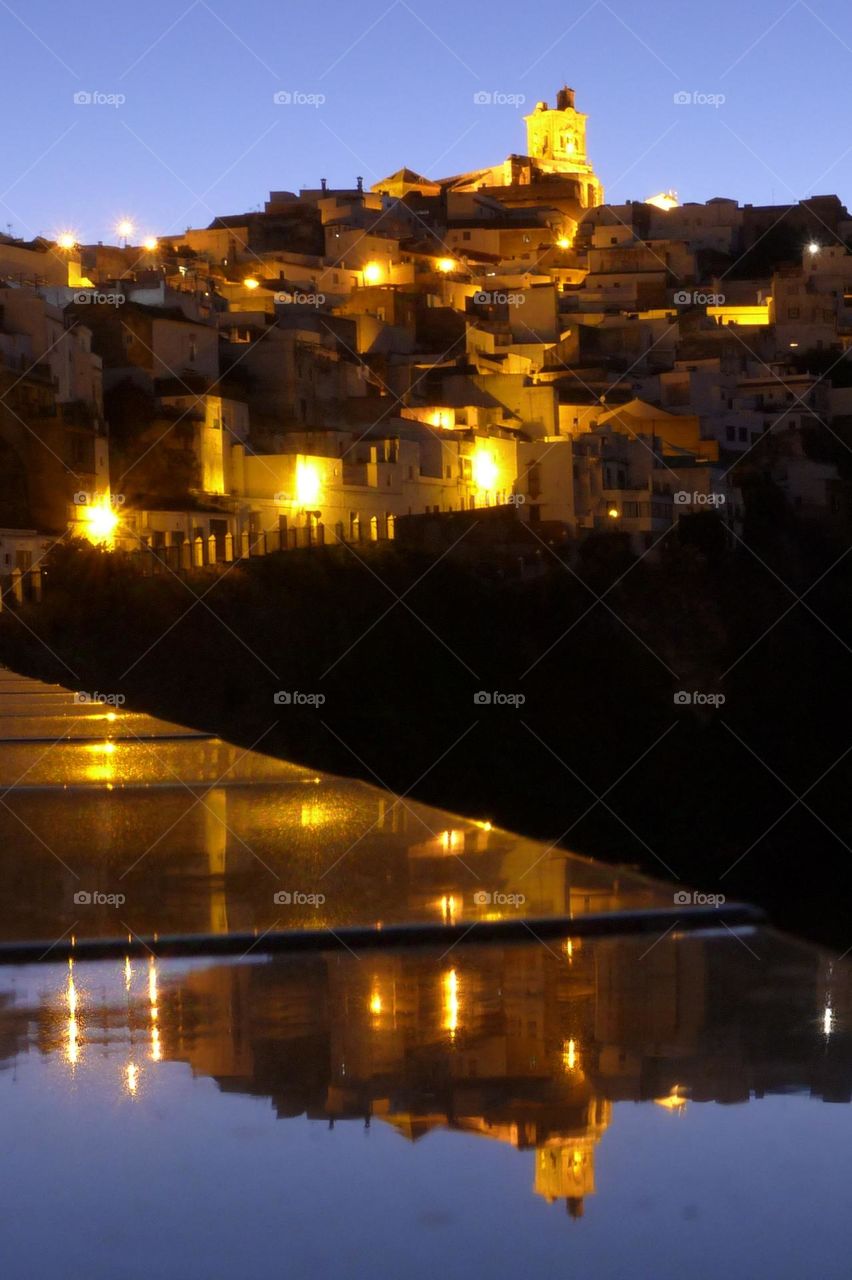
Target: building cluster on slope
[347, 358]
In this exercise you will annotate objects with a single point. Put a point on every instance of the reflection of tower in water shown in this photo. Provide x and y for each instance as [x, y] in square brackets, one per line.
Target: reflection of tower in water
[564, 1165]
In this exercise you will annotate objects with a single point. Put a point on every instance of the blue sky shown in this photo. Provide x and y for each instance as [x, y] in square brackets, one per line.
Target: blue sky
[382, 83]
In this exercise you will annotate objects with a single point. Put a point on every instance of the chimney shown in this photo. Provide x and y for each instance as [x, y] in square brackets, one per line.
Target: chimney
[360, 184]
[565, 99]
[324, 183]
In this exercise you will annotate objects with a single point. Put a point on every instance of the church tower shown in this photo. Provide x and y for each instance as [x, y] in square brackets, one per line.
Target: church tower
[556, 140]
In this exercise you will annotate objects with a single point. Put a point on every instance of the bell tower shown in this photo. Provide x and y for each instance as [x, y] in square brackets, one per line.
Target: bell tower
[556, 140]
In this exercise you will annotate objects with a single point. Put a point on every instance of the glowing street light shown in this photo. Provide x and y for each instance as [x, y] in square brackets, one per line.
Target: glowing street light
[484, 471]
[613, 513]
[307, 484]
[125, 230]
[151, 244]
[372, 273]
[101, 522]
[66, 240]
[251, 283]
[563, 242]
[446, 265]
[813, 247]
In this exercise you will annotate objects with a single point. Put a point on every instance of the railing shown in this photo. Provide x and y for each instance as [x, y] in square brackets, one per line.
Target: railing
[19, 587]
[222, 549]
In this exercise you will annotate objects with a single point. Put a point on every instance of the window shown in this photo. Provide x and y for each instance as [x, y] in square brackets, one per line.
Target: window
[465, 235]
[742, 435]
[730, 434]
[792, 313]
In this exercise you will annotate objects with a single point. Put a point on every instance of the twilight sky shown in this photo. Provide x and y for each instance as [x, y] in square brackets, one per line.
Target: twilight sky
[382, 83]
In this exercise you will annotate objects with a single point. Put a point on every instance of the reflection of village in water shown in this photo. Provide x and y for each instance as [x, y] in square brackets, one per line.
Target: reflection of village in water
[200, 856]
[197, 835]
[530, 1044]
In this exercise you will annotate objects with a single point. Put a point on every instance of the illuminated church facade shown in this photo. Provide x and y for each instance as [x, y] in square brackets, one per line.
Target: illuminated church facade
[556, 169]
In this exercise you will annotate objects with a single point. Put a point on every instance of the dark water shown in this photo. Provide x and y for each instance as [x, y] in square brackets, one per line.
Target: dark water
[594, 1108]
[670, 1105]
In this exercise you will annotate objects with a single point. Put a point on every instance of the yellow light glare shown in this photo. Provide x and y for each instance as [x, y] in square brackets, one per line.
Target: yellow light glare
[373, 273]
[307, 484]
[101, 522]
[446, 265]
[450, 985]
[564, 242]
[674, 1102]
[131, 1078]
[250, 282]
[151, 243]
[125, 228]
[67, 240]
[484, 471]
[613, 513]
[375, 1004]
[570, 1055]
[450, 909]
[666, 200]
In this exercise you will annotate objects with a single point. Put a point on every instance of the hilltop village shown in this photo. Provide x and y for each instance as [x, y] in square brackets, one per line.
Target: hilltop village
[349, 359]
